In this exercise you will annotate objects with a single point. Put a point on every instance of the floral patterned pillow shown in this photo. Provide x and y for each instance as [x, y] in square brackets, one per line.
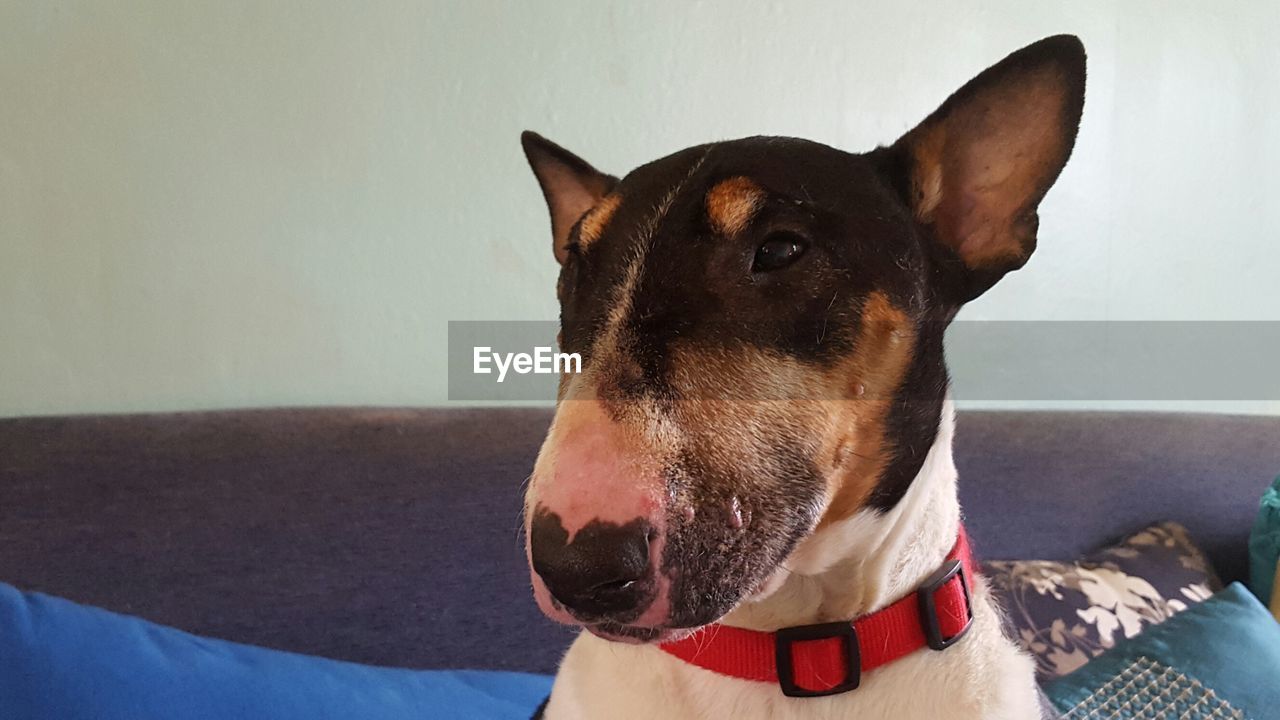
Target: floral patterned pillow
[1065, 613]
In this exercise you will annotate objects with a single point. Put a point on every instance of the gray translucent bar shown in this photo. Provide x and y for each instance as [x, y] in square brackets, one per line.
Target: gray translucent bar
[990, 361]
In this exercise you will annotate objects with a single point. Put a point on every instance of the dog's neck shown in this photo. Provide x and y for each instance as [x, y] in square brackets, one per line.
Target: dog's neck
[861, 564]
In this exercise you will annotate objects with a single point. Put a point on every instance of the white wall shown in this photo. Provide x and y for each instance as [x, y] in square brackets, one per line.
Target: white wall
[243, 203]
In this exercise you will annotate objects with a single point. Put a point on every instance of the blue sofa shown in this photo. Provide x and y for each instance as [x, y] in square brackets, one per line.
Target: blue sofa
[391, 536]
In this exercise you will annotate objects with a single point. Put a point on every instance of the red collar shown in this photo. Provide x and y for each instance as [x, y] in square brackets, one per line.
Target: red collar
[829, 658]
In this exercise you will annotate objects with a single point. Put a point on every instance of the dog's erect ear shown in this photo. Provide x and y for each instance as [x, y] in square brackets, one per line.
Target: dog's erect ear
[570, 185]
[976, 169]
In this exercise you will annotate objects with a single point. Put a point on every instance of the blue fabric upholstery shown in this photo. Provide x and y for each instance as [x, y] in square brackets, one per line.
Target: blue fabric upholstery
[1217, 659]
[62, 661]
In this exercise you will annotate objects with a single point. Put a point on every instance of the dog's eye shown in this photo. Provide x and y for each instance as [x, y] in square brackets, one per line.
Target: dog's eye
[778, 250]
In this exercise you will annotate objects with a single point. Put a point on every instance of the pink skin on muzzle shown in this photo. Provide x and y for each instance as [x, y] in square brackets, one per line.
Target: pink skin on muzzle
[592, 472]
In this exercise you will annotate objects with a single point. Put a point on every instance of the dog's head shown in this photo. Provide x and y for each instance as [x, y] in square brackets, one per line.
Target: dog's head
[760, 323]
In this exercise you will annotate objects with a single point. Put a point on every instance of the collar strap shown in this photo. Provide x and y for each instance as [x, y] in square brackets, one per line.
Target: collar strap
[829, 658]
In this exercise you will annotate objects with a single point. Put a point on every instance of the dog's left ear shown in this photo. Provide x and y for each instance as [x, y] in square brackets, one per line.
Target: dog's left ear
[569, 184]
[976, 169]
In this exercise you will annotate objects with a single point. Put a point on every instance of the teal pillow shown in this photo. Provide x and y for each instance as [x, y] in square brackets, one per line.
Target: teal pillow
[1217, 659]
[63, 661]
[1264, 544]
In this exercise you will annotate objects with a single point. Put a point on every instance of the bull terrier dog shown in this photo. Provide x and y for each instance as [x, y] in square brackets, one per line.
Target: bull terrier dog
[747, 496]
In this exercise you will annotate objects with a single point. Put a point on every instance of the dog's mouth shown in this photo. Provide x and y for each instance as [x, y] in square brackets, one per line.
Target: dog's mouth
[635, 635]
[648, 635]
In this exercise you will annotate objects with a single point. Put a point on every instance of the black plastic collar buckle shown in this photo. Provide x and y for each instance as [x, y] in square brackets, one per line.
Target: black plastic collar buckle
[786, 637]
[929, 609]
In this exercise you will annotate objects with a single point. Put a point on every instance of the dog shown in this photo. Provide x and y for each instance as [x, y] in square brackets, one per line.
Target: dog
[747, 496]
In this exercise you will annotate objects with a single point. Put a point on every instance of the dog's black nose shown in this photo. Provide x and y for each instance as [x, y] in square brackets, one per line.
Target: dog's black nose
[603, 572]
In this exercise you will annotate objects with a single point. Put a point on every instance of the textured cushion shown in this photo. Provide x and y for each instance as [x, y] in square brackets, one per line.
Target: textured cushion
[1065, 613]
[62, 661]
[1218, 659]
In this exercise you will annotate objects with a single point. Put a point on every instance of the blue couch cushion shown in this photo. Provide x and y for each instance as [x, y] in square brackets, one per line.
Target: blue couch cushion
[1217, 659]
[70, 662]
[1264, 544]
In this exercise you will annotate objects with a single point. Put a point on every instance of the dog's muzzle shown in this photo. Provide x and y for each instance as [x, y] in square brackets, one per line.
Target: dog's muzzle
[595, 525]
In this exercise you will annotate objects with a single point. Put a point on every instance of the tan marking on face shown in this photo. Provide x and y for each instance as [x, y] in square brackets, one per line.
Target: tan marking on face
[592, 225]
[735, 403]
[732, 203]
[738, 405]
[734, 408]
[858, 452]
